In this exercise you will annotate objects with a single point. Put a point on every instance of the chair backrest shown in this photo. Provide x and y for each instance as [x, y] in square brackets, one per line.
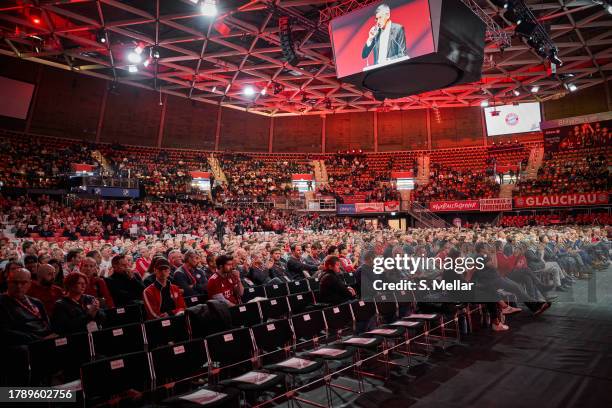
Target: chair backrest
[299, 302]
[121, 316]
[314, 284]
[276, 289]
[245, 315]
[272, 336]
[276, 308]
[298, 286]
[253, 292]
[363, 310]
[308, 326]
[349, 278]
[338, 318]
[195, 300]
[178, 361]
[167, 330]
[386, 305]
[118, 340]
[62, 354]
[230, 347]
[104, 378]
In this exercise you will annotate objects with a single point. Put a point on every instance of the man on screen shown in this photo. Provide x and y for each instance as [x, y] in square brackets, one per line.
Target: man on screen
[387, 39]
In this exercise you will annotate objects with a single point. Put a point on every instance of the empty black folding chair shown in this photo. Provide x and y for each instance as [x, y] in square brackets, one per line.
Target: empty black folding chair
[231, 357]
[310, 331]
[252, 293]
[167, 330]
[118, 340]
[277, 308]
[273, 342]
[179, 362]
[298, 286]
[58, 361]
[386, 308]
[109, 377]
[300, 302]
[245, 315]
[121, 316]
[276, 290]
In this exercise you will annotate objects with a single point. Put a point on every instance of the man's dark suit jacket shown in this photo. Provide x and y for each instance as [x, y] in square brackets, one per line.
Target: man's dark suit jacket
[397, 44]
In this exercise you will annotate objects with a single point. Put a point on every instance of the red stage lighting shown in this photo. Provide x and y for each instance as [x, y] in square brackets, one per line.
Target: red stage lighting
[36, 20]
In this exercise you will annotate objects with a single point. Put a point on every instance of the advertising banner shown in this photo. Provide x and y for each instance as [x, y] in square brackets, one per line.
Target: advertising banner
[458, 205]
[346, 208]
[391, 206]
[495, 204]
[369, 207]
[561, 200]
[114, 192]
[578, 132]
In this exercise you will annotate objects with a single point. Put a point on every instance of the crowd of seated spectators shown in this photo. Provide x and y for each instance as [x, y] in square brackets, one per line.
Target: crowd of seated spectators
[96, 219]
[448, 184]
[556, 219]
[99, 274]
[577, 171]
[349, 175]
[38, 162]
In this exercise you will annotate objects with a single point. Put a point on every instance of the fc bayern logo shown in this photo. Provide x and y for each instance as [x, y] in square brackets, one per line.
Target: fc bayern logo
[512, 119]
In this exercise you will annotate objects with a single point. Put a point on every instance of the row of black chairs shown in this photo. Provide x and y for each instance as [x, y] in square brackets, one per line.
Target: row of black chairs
[259, 352]
[135, 313]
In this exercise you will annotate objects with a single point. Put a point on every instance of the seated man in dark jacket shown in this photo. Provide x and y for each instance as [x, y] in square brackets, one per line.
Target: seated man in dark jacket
[189, 276]
[23, 319]
[333, 290]
[296, 269]
[125, 286]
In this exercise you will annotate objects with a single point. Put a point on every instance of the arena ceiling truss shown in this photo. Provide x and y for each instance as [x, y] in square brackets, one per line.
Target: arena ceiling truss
[214, 60]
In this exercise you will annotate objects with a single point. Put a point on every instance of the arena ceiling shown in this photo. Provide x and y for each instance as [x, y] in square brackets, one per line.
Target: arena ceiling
[213, 59]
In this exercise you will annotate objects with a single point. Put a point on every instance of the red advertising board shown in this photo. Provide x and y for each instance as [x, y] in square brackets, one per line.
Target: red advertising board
[369, 207]
[561, 200]
[391, 206]
[464, 205]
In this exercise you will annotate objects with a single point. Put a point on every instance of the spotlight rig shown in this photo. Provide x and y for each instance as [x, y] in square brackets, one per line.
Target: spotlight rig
[529, 28]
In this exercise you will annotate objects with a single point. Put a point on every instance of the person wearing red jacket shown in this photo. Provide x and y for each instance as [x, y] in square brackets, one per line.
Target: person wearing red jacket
[161, 298]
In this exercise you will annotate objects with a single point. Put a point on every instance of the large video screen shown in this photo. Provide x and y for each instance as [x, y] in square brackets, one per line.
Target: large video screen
[15, 97]
[381, 34]
[509, 119]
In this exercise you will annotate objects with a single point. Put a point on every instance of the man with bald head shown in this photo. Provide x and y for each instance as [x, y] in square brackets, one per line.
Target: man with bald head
[23, 319]
[44, 289]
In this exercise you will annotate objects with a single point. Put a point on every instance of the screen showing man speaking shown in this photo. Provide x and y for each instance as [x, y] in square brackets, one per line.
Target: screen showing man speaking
[381, 34]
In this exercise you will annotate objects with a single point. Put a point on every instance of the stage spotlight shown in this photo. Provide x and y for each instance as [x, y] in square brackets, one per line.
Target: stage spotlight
[516, 92]
[101, 36]
[249, 90]
[535, 89]
[138, 50]
[132, 68]
[134, 57]
[154, 52]
[513, 16]
[263, 91]
[554, 58]
[484, 103]
[572, 87]
[501, 3]
[147, 62]
[208, 8]
[214, 89]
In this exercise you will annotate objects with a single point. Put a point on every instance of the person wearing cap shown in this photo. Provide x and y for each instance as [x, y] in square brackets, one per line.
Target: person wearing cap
[162, 298]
